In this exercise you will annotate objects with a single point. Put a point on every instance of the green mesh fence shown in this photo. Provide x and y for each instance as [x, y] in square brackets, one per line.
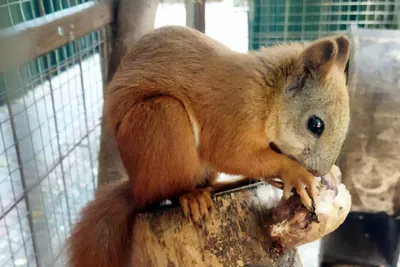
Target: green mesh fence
[50, 127]
[272, 21]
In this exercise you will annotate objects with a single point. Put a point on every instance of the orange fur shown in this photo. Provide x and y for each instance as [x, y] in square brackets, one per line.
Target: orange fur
[101, 237]
[185, 107]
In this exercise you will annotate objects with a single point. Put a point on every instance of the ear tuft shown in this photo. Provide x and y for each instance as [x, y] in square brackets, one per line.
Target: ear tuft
[343, 43]
[320, 56]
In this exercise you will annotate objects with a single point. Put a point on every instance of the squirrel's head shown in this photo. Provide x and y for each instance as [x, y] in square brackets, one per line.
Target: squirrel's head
[313, 113]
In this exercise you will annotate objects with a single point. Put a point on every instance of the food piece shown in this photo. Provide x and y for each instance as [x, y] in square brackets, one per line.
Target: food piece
[291, 224]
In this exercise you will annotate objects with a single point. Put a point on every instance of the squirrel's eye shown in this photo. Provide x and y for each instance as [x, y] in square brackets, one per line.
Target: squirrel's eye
[315, 126]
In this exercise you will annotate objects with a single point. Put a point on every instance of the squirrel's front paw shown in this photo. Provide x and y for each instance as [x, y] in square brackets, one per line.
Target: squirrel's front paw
[197, 203]
[305, 184]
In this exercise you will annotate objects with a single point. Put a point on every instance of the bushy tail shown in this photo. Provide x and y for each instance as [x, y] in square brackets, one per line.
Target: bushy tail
[101, 237]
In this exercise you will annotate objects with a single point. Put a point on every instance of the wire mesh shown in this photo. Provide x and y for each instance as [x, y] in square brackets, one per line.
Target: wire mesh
[276, 21]
[13, 12]
[50, 116]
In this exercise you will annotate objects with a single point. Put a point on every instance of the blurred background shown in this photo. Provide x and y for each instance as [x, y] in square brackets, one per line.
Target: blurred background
[56, 57]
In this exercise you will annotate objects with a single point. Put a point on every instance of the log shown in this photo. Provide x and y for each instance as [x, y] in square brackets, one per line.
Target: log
[250, 226]
[235, 235]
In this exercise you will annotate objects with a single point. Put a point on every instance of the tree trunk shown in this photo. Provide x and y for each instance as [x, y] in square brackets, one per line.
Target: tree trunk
[134, 19]
[235, 235]
[195, 15]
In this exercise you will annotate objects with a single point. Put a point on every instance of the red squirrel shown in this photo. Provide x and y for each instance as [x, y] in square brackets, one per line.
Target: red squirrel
[184, 108]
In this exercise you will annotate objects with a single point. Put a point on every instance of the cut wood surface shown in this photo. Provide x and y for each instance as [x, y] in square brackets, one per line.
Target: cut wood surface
[234, 235]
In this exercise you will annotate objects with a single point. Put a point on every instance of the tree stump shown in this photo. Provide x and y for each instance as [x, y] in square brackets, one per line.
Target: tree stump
[234, 235]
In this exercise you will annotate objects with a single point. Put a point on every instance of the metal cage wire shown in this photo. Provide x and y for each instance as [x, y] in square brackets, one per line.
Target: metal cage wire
[50, 118]
[275, 21]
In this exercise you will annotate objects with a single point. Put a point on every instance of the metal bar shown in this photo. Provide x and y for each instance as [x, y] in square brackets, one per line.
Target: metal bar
[24, 187]
[50, 76]
[37, 173]
[14, 195]
[41, 179]
[104, 53]
[285, 30]
[85, 111]
[7, 232]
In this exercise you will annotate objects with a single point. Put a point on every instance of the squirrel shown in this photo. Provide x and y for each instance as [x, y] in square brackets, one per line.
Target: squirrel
[185, 107]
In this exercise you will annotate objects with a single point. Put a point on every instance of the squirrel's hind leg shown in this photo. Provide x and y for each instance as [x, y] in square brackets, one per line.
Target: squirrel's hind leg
[157, 147]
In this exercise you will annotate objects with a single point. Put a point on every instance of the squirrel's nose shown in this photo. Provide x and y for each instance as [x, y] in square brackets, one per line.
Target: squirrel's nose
[319, 172]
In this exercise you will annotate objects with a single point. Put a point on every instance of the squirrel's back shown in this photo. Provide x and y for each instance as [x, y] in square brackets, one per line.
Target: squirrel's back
[200, 72]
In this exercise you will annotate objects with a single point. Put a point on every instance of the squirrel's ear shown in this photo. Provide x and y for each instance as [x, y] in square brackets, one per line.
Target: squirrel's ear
[343, 55]
[319, 56]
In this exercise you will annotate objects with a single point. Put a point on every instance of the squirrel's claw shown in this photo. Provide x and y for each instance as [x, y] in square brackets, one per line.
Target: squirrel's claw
[197, 203]
[306, 188]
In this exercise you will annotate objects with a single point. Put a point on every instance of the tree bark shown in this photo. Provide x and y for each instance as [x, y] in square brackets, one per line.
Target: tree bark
[134, 18]
[234, 235]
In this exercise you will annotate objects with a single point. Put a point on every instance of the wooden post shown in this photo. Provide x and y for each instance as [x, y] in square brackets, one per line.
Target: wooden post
[134, 19]
[234, 235]
[34, 38]
[195, 14]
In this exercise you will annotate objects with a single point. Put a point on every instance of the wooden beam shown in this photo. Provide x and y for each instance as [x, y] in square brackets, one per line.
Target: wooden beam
[29, 40]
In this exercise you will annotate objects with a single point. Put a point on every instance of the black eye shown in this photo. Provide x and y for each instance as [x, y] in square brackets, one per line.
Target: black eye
[316, 126]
